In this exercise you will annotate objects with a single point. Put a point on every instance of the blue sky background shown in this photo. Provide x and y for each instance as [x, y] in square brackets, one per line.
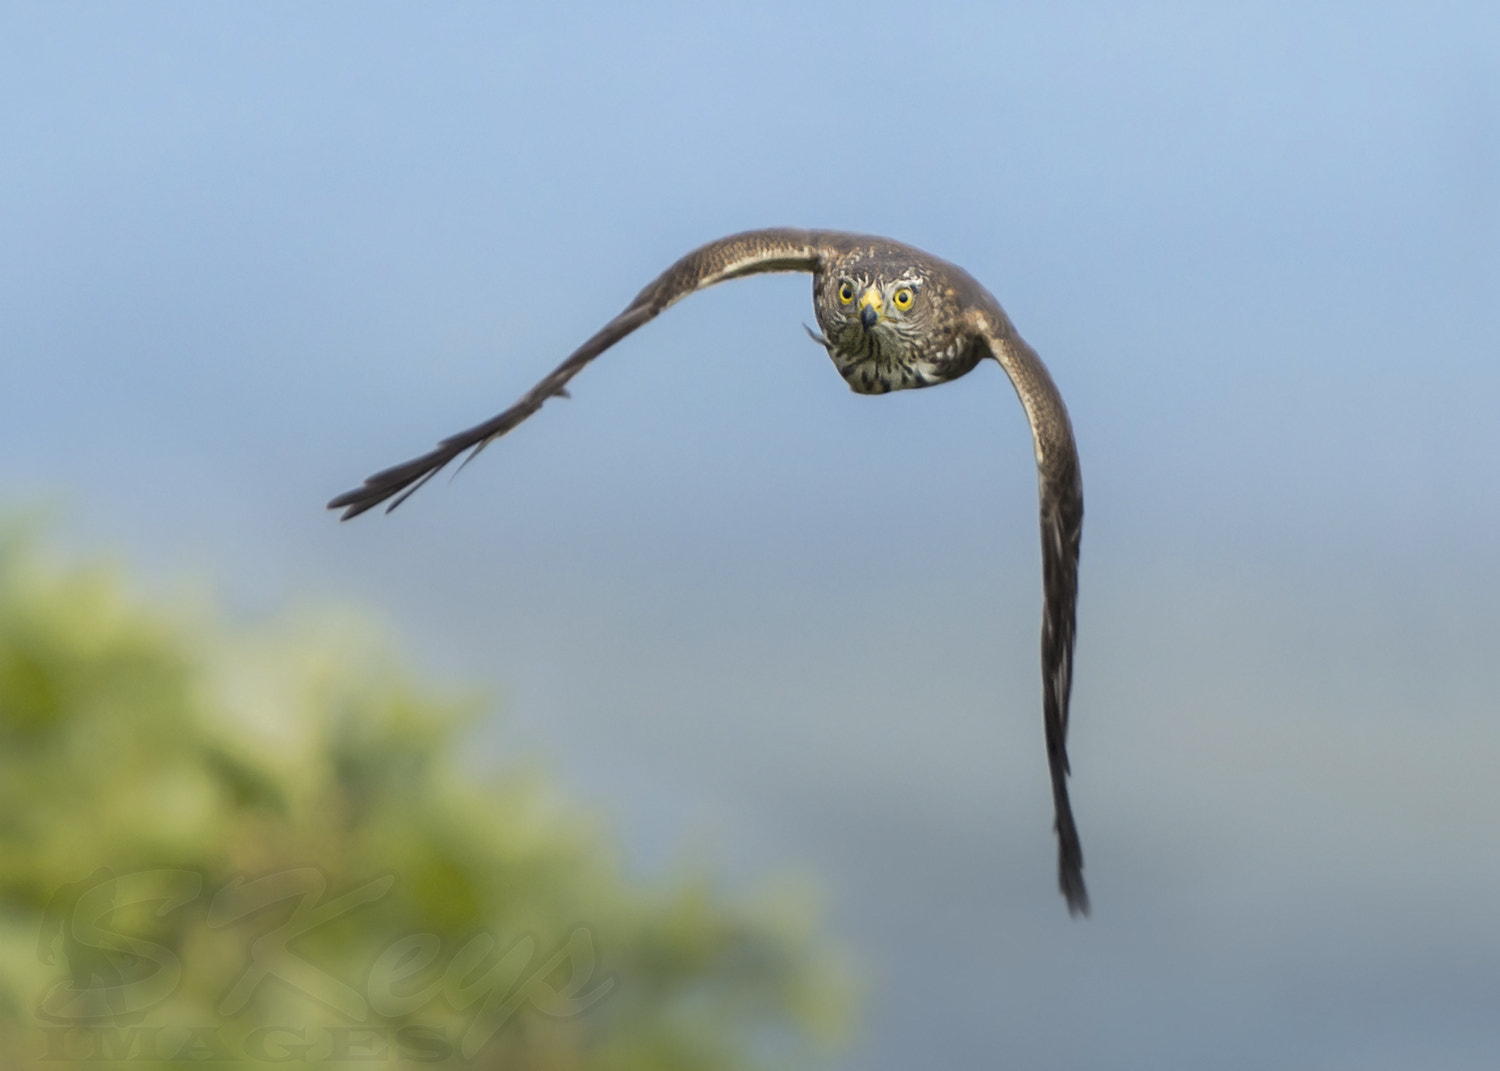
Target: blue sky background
[251, 253]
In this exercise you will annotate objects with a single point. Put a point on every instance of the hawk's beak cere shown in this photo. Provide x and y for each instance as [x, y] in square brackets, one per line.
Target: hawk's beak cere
[869, 308]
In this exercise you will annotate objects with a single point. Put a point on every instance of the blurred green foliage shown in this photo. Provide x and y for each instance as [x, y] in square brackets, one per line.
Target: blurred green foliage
[256, 847]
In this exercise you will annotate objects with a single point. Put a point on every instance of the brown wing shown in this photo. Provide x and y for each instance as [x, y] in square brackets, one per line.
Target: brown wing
[1060, 487]
[729, 258]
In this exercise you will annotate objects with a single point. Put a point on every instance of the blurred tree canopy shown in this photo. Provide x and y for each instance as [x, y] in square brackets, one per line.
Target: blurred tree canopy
[256, 847]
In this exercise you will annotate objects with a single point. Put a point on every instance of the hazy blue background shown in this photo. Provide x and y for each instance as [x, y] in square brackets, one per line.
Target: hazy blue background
[251, 253]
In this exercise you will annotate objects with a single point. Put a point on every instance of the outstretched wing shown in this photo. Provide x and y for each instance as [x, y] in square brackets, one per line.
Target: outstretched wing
[1060, 486]
[729, 258]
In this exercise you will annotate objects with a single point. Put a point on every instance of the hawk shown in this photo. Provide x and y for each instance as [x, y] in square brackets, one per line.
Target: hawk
[892, 318]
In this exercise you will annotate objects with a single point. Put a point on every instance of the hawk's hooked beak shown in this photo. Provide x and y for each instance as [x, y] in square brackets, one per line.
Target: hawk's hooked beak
[869, 308]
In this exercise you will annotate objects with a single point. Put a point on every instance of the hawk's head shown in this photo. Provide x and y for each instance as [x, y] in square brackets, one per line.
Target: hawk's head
[887, 323]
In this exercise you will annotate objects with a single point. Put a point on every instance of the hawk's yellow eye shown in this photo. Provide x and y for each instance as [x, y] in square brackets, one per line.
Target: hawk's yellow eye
[846, 292]
[902, 297]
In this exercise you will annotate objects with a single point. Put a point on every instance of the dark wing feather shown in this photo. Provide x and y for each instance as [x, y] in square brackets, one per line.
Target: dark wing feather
[1060, 487]
[729, 258]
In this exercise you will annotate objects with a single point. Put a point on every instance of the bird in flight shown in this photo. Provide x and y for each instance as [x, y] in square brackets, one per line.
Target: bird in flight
[892, 317]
